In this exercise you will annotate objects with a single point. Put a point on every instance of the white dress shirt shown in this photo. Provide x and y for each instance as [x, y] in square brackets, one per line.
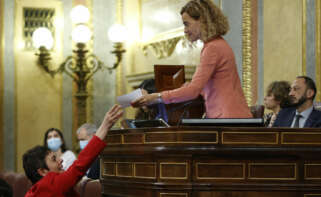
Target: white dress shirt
[304, 116]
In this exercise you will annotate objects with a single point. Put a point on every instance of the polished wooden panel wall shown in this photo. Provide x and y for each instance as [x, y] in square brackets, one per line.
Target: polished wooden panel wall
[212, 162]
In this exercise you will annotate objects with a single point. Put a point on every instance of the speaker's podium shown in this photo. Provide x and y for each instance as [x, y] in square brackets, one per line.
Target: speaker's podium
[212, 162]
[168, 77]
[203, 160]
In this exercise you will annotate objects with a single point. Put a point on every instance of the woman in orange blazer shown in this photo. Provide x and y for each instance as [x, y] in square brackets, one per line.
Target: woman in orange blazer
[216, 77]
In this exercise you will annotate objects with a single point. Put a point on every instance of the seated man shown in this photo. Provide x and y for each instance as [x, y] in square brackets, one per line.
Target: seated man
[301, 114]
[84, 134]
[45, 170]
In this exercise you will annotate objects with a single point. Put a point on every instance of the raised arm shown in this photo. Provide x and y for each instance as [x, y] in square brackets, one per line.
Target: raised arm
[109, 120]
[69, 178]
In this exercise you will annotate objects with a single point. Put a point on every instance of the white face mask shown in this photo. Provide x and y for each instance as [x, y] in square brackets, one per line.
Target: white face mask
[83, 143]
[54, 143]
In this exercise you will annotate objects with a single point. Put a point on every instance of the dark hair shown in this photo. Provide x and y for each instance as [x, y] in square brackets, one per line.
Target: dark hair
[148, 85]
[33, 160]
[310, 84]
[213, 22]
[150, 112]
[63, 145]
[280, 91]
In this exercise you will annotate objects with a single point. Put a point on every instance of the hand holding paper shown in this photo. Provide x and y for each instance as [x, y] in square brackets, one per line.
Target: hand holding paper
[126, 99]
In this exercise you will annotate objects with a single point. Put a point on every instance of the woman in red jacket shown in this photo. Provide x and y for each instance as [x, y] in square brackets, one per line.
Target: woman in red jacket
[45, 171]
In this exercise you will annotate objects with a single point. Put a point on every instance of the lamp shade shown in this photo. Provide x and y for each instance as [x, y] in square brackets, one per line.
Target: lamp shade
[81, 34]
[42, 37]
[117, 33]
[79, 14]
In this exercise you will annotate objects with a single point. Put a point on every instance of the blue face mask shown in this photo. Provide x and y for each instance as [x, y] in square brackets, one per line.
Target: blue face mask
[54, 143]
[83, 143]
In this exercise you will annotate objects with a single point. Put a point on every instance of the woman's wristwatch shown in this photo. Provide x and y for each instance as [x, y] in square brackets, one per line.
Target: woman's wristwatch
[159, 98]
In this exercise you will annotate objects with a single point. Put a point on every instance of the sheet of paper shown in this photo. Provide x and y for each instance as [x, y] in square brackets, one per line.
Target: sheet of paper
[126, 99]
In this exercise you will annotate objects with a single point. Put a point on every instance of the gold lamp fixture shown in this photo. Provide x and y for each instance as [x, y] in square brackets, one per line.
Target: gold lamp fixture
[80, 66]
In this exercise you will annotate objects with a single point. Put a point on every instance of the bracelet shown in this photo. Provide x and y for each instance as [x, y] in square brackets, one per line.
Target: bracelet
[159, 98]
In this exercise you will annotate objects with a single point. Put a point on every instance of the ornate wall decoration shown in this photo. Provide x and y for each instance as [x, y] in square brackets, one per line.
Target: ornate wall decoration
[246, 51]
[164, 48]
[161, 26]
[34, 18]
[163, 43]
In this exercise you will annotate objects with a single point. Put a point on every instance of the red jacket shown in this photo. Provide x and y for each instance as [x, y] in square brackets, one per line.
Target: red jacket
[62, 184]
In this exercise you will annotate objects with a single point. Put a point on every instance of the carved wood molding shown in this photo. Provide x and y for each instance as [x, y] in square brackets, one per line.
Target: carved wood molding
[318, 47]
[246, 51]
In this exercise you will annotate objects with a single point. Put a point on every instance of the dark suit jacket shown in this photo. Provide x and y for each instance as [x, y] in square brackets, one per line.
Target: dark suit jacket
[286, 115]
[94, 170]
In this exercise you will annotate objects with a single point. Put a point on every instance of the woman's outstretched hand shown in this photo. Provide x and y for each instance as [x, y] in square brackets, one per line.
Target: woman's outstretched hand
[110, 119]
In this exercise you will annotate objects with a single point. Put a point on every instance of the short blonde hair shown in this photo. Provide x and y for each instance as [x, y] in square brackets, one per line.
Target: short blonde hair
[213, 21]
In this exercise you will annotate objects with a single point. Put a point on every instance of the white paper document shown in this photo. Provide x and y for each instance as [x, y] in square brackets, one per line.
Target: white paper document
[126, 99]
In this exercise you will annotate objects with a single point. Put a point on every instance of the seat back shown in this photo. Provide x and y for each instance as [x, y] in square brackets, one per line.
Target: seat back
[91, 188]
[5, 189]
[19, 182]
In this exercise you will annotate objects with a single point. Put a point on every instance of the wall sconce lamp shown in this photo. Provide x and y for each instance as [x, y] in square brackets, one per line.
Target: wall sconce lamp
[80, 66]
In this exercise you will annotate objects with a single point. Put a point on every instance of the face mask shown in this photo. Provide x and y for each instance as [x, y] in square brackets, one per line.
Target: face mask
[54, 143]
[83, 143]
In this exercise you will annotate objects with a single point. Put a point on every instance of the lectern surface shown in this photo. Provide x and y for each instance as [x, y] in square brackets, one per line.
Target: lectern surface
[132, 123]
[226, 122]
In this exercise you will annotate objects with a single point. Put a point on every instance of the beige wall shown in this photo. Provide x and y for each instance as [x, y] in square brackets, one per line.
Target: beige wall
[282, 40]
[38, 96]
[1, 83]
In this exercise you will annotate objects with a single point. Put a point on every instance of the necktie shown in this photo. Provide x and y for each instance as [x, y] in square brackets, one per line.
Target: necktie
[297, 119]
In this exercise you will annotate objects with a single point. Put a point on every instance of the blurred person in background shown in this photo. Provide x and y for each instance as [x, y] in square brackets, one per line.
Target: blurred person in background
[277, 97]
[84, 134]
[54, 140]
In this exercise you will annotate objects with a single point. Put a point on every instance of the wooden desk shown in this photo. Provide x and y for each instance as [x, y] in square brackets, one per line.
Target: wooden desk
[212, 162]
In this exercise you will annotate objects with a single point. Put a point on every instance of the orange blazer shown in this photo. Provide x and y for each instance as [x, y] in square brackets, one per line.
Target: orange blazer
[217, 80]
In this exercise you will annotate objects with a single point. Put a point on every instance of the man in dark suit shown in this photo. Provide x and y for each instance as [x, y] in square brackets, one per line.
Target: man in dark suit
[84, 134]
[302, 113]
